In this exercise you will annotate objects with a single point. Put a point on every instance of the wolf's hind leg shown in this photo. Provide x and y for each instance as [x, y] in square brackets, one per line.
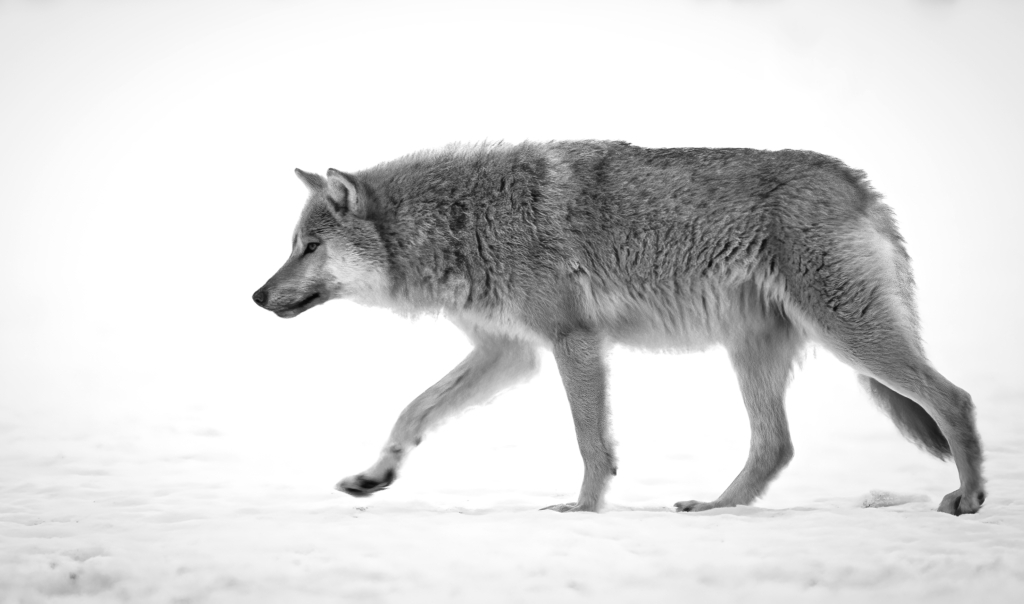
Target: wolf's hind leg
[901, 378]
[763, 360]
[580, 358]
[862, 308]
[493, 365]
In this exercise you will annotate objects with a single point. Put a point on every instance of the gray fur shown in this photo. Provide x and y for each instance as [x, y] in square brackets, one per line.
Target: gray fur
[576, 246]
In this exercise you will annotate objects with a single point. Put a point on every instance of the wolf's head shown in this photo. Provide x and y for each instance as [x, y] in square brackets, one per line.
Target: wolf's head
[336, 250]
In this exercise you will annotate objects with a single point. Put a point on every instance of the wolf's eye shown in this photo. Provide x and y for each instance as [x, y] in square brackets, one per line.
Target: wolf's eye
[311, 247]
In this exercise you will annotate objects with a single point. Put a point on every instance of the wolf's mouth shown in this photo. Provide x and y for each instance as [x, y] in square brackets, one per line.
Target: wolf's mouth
[301, 306]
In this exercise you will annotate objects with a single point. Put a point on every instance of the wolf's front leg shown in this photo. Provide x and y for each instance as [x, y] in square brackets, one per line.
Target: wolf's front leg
[580, 358]
[494, 364]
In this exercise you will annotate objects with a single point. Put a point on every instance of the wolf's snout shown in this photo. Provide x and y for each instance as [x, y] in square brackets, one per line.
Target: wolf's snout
[260, 297]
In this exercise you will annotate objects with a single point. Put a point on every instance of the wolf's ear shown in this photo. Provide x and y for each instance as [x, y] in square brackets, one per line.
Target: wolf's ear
[313, 182]
[343, 195]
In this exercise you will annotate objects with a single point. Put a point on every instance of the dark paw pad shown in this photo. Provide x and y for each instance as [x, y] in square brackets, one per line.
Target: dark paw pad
[951, 503]
[363, 486]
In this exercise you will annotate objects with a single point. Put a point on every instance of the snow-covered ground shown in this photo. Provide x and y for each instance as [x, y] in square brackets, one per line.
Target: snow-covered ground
[215, 501]
[164, 440]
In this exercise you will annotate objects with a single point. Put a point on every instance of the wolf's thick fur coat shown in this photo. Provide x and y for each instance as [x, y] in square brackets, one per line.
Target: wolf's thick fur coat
[575, 246]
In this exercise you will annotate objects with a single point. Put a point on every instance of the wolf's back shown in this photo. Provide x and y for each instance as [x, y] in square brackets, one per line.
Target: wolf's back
[486, 224]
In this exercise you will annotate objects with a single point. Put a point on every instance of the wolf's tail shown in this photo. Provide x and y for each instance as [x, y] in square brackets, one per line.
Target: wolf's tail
[911, 419]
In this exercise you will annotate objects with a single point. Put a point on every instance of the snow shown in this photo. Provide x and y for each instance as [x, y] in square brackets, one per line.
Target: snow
[177, 507]
[162, 439]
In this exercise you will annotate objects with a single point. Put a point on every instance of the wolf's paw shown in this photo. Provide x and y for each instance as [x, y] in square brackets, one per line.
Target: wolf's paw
[956, 504]
[694, 506]
[571, 507]
[362, 485]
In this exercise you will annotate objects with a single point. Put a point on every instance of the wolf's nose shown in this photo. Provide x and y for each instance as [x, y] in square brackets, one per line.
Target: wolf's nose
[260, 297]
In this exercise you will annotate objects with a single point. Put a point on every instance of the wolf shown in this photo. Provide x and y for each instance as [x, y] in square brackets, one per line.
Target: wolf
[580, 245]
